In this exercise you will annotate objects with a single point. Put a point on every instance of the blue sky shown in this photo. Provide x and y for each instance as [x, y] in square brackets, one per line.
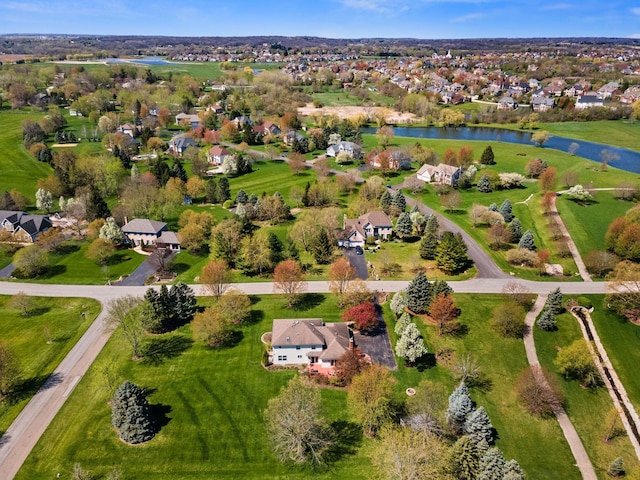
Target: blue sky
[429, 19]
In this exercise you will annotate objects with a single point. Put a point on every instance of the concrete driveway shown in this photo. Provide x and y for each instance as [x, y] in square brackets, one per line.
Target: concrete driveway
[358, 262]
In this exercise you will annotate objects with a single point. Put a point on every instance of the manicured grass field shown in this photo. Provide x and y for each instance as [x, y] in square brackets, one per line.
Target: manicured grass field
[55, 320]
[589, 223]
[586, 408]
[270, 177]
[621, 133]
[19, 169]
[212, 403]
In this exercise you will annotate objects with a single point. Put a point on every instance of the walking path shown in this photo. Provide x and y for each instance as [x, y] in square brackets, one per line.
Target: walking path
[582, 269]
[616, 389]
[575, 444]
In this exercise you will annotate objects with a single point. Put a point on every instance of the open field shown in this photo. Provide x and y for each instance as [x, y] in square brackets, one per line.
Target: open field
[270, 177]
[586, 408]
[211, 405]
[620, 133]
[40, 341]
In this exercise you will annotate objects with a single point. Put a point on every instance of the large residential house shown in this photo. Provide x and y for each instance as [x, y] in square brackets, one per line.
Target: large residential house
[507, 103]
[217, 155]
[292, 136]
[179, 144]
[190, 119]
[542, 104]
[145, 232]
[266, 128]
[442, 173]
[23, 227]
[355, 232]
[392, 159]
[589, 101]
[350, 148]
[309, 342]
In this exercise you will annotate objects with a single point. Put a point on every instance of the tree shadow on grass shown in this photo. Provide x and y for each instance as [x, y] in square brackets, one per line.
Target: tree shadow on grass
[425, 362]
[347, 437]
[66, 249]
[4, 439]
[118, 258]
[160, 413]
[307, 301]
[178, 268]
[53, 271]
[36, 312]
[255, 316]
[26, 388]
[159, 349]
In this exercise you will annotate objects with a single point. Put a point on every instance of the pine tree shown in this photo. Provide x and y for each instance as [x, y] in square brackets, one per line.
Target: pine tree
[484, 184]
[290, 250]
[402, 323]
[410, 345]
[432, 225]
[616, 468]
[488, 158]
[178, 171]
[438, 287]
[398, 302]
[451, 254]
[385, 201]
[460, 406]
[547, 321]
[493, 207]
[478, 426]
[399, 201]
[182, 303]
[513, 471]
[516, 230]
[211, 190]
[554, 302]
[464, 459]
[130, 414]
[404, 226]
[428, 246]
[276, 248]
[492, 465]
[419, 294]
[527, 241]
[323, 248]
[241, 197]
[506, 210]
[224, 191]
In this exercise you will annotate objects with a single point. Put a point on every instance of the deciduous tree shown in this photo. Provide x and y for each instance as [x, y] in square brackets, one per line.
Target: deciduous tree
[508, 319]
[538, 391]
[288, 279]
[210, 327]
[369, 398]
[124, 313]
[215, 277]
[575, 362]
[363, 316]
[234, 305]
[32, 261]
[341, 273]
[443, 311]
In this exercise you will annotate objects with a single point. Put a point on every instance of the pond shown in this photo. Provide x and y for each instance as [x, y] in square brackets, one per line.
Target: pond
[623, 158]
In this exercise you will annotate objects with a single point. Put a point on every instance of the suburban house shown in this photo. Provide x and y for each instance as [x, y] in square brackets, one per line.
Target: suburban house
[355, 232]
[542, 104]
[352, 149]
[191, 119]
[23, 227]
[179, 144]
[292, 136]
[507, 103]
[128, 129]
[442, 173]
[145, 232]
[266, 128]
[309, 342]
[394, 160]
[216, 155]
[589, 101]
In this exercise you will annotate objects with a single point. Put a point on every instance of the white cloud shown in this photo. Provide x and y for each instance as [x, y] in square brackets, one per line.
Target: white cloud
[468, 18]
[394, 5]
[636, 11]
[634, 35]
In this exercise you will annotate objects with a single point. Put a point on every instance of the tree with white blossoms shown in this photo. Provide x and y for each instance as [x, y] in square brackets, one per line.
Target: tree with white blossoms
[229, 166]
[411, 346]
[419, 222]
[511, 180]
[578, 193]
[402, 323]
[398, 302]
[111, 231]
[44, 200]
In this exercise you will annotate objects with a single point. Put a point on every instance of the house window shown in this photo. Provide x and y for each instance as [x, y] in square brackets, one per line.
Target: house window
[282, 358]
[298, 347]
[313, 348]
[299, 356]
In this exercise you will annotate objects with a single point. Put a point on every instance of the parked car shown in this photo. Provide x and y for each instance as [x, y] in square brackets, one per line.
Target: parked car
[359, 250]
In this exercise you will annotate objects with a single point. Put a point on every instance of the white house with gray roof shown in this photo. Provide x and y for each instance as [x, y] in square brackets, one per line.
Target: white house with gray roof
[144, 232]
[309, 342]
[350, 148]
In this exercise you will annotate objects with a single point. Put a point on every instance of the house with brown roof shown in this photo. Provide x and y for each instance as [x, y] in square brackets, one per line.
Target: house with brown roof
[216, 155]
[145, 232]
[392, 159]
[355, 232]
[309, 342]
[442, 173]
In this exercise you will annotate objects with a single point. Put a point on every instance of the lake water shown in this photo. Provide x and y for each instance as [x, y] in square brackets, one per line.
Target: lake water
[628, 160]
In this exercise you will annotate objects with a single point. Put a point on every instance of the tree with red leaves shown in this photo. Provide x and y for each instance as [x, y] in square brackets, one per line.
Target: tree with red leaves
[363, 316]
[288, 279]
[443, 311]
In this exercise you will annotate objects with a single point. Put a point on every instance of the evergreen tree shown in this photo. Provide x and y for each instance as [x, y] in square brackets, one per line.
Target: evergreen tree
[516, 230]
[276, 247]
[492, 465]
[96, 207]
[428, 246]
[506, 210]
[513, 471]
[460, 406]
[398, 302]
[398, 201]
[451, 254]
[243, 165]
[547, 321]
[493, 207]
[554, 302]
[322, 248]
[419, 294]
[616, 468]
[527, 241]
[438, 287]
[130, 414]
[224, 191]
[488, 158]
[432, 225]
[290, 250]
[410, 345]
[253, 199]
[385, 201]
[211, 190]
[404, 226]
[241, 197]
[178, 171]
[183, 303]
[402, 323]
[484, 184]
[478, 426]
[464, 459]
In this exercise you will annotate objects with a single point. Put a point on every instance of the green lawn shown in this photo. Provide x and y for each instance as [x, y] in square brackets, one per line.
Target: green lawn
[59, 321]
[212, 402]
[19, 169]
[586, 408]
[270, 177]
[620, 133]
[589, 223]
